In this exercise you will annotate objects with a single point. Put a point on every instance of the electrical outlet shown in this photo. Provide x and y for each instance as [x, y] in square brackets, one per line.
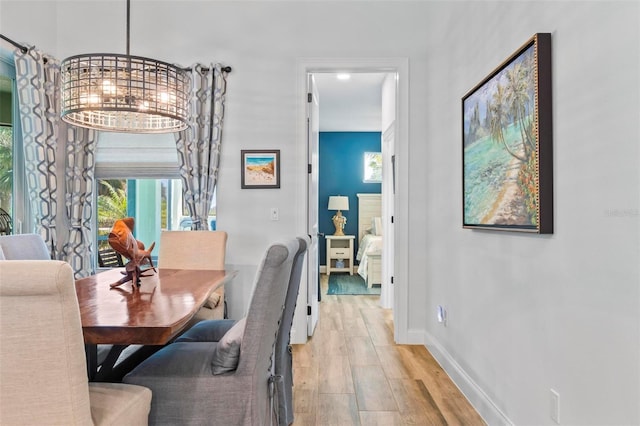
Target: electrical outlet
[555, 406]
[275, 215]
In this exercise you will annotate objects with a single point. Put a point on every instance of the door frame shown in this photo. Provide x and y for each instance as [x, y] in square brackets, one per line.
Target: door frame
[312, 211]
[304, 66]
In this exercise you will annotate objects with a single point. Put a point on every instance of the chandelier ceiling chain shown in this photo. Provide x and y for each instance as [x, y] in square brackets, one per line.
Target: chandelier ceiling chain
[124, 93]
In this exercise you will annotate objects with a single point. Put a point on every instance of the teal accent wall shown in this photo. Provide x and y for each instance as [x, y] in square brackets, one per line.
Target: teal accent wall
[341, 158]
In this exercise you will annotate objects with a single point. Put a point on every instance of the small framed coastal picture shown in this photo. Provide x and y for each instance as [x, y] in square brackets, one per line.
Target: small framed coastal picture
[507, 170]
[260, 168]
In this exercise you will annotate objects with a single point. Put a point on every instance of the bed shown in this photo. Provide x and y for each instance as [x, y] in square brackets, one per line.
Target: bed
[370, 238]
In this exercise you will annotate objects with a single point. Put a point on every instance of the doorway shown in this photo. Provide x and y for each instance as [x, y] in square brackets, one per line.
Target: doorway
[355, 122]
[397, 268]
[399, 183]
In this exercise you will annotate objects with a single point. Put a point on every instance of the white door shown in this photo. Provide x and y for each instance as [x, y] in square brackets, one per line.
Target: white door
[388, 194]
[313, 132]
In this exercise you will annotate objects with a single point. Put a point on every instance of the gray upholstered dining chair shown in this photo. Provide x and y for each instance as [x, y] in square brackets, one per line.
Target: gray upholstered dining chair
[225, 382]
[42, 358]
[283, 365]
[24, 247]
[212, 331]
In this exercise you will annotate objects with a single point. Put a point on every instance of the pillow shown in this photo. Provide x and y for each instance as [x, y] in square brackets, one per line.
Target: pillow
[376, 226]
[227, 352]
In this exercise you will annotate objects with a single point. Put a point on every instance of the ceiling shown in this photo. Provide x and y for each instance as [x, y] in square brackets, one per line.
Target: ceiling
[353, 105]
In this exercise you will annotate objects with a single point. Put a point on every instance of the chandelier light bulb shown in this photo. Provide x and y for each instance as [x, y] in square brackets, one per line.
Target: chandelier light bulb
[108, 88]
[90, 98]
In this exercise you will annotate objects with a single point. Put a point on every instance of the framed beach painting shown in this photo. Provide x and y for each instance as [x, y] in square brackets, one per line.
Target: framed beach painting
[506, 144]
[260, 168]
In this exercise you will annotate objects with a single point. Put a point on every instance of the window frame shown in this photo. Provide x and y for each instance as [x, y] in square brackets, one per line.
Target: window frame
[21, 217]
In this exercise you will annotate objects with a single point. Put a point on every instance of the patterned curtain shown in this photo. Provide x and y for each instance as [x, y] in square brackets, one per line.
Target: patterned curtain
[38, 82]
[199, 145]
[80, 165]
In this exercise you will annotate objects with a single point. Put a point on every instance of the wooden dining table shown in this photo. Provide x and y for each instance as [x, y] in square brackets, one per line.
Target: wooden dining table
[151, 314]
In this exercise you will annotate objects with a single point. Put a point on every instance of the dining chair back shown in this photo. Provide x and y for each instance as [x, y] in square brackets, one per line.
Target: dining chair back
[109, 258]
[24, 247]
[283, 362]
[202, 250]
[33, 247]
[42, 357]
[192, 249]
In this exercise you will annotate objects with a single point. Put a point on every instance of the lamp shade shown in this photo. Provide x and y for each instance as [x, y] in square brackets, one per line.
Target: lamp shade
[338, 202]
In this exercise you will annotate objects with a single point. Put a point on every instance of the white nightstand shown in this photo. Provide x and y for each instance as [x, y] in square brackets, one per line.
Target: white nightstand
[340, 247]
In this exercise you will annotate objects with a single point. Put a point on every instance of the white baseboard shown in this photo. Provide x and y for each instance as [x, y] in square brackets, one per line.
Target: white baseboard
[414, 337]
[487, 409]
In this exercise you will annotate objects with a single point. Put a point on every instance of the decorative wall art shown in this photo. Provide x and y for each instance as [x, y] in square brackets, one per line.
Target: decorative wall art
[506, 144]
[260, 168]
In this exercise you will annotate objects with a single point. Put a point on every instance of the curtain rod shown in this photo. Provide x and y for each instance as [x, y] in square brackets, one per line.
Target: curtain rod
[226, 69]
[24, 49]
[15, 44]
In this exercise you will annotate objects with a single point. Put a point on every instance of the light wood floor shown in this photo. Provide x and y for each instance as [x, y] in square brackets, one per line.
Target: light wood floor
[352, 373]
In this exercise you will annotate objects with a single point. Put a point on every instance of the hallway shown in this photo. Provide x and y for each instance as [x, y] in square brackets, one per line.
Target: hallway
[352, 373]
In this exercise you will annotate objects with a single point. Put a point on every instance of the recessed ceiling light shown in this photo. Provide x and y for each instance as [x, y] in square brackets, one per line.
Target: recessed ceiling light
[343, 76]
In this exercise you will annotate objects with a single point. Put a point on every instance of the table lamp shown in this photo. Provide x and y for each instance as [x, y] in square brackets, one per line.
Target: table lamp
[339, 203]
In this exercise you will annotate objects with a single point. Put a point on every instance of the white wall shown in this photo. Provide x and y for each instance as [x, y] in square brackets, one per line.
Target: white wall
[526, 313]
[530, 313]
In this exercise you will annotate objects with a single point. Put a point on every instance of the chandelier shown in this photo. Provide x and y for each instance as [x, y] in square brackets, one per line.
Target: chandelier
[124, 93]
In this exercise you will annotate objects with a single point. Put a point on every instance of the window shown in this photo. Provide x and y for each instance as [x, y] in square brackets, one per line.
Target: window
[372, 167]
[14, 199]
[6, 151]
[155, 205]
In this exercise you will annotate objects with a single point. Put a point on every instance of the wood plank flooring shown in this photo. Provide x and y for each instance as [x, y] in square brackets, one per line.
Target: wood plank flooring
[352, 373]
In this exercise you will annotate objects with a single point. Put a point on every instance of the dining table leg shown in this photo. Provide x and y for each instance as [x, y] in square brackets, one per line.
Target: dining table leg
[101, 372]
[105, 373]
[91, 353]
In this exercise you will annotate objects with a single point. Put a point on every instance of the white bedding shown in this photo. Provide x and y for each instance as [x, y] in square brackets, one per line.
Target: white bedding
[369, 245]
